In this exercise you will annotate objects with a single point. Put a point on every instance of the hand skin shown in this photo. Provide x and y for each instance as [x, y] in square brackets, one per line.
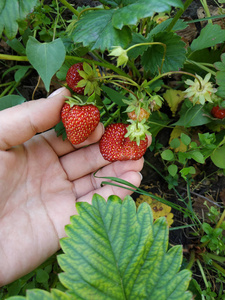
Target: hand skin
[41, 179]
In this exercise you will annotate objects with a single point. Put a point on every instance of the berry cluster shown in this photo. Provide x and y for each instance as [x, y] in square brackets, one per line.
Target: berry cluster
[80, 120]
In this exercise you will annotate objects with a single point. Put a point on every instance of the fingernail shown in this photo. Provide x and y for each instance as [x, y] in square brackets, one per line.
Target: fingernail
[56, 92]
[140, 175]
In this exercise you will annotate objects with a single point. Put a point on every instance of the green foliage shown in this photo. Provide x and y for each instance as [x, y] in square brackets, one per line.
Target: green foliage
[11, 12]
[113, 251]
[52, 54]
[10, 100]
[220, 66]
[210, 35]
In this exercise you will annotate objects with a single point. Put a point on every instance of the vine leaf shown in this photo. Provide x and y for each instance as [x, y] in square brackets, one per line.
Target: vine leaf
[114, 252]
[175, 53]
[103, 29]
[11, 12]
[46, 58]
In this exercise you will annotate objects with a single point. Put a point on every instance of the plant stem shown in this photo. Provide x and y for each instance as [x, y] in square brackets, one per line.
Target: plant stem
[70, 7]
[206, 9]
[178, 15]
[218, 267]
[221, 219]
[13, 57]
[202, 66]
[202, 273]
[191, 260]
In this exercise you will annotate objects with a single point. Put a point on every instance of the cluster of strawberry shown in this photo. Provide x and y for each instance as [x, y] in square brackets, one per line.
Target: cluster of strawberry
[80, 120]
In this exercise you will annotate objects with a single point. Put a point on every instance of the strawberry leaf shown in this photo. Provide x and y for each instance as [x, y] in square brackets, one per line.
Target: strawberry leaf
[46, 58]
[10, 100]
[103, 29]
[113, 252]
[131, 14]
[175, 53]
[210, 35]
[220, 75]
[11, 12]
[96, 31]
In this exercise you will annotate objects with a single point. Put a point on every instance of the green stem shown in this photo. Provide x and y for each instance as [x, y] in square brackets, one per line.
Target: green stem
[175, 72]
[178, 15]
[80, 59]
[191, 260]
[221, 220]
[87, 9]
[215, 257]
[202, 66]
[202, 273]
[7, 89]
[206, 9]
[70, 7]
[218, 267]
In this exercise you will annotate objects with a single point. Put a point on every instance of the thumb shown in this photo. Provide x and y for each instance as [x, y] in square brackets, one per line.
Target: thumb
[19, 123]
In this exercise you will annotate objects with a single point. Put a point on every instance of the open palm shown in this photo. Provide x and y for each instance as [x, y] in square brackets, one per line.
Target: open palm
[41, 178]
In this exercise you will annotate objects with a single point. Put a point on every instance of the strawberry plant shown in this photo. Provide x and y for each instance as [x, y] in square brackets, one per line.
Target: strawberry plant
[132, 66]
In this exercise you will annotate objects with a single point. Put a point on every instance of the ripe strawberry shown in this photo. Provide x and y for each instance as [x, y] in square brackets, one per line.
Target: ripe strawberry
[218, 112]
[79, 121]
[114, 146]
[143, 114]
[73, 77]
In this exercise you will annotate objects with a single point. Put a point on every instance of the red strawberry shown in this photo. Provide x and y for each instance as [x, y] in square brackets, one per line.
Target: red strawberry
[79, 121]
[73, 77]
[218, 112]
[114, 146]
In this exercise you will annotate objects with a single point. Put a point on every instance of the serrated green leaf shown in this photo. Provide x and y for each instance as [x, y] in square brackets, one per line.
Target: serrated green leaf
[46, 58]
[113, 252]
[95, 30]
[11, 12]
[131, 14]
[10, 100]
[175, 53]
[210, 35]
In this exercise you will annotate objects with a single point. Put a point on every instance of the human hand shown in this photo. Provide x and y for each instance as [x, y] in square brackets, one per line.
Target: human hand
[41, 179]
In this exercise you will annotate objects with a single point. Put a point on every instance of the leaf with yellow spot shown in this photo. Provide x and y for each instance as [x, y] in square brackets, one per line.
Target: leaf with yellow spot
[173, 98]
[158, 209]
[175, 134]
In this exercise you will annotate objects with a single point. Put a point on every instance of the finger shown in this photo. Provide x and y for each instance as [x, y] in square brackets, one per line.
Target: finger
[107, 190]
[64, 147]
[21, 122]
[91, 182]
[82, 162]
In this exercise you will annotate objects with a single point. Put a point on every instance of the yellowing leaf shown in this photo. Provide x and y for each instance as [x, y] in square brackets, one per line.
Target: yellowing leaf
[176, 133]
[173, 98]
[158, 209]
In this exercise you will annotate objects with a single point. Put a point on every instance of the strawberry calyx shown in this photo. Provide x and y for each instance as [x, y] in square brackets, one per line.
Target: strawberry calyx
[137, 131]
[89, 81]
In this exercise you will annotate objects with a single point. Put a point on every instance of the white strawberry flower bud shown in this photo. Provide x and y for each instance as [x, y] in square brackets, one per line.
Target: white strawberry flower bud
[121, 54]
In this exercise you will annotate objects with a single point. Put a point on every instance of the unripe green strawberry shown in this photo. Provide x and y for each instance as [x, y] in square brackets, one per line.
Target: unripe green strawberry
[115, 146]
[79, 121]
[73, 77]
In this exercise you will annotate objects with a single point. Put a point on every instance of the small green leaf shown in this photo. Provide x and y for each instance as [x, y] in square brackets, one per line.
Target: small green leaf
[185, 139]
[175, 143]
[10, 100]
[197, 156]
[210, 35]
[114, 96]
[42, 276]
[46, 58]
[11, 12]
[218, 157]
[172, 169]
[167, 155]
